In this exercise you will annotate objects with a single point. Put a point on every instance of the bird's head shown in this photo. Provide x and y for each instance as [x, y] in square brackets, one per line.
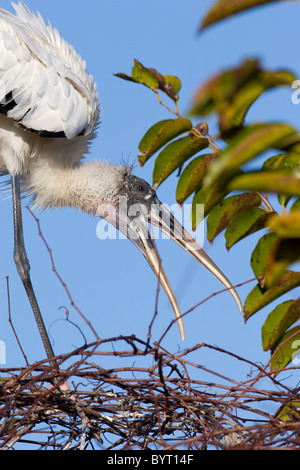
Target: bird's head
[135, 206]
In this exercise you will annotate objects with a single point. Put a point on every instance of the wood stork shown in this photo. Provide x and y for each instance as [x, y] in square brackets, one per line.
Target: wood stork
[49, 113]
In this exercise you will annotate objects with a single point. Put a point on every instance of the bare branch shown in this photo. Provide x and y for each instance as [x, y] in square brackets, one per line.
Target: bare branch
[162, 406]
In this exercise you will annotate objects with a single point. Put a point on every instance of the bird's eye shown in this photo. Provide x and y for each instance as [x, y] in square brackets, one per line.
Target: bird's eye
[141, 188]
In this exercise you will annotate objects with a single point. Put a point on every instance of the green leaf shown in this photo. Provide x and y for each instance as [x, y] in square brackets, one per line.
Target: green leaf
[174, 82]
[288, 348]
[227, 210]
[160, 134]
[142, 75]
[226, 8]
[288, 163]
[296, 206]
[169, 84]
[244, 224]
[192, 176]
[278, 321]
[209, 198]
[259, 297]
[283, 199]
[267, 181]
[223, 87]
[289, 412]
[283, 253]
[291, 163]
[232, 117]
[286, 225]
[260, 255]
[234, 111]
[4, 379]
[247, 144]
[274, 162]
[175, 154]
[153, 79]
[272, 256]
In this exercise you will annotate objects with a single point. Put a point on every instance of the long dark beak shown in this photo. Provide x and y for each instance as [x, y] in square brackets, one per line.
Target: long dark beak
[166, 222]
[159, 216]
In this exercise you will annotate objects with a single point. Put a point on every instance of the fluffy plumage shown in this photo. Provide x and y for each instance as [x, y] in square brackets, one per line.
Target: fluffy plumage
[44, 77]
[49, 115]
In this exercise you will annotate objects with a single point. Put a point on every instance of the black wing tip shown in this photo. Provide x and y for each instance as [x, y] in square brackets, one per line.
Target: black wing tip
[52, 135]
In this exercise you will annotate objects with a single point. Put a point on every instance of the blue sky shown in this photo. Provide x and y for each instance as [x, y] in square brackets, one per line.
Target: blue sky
[109, 280]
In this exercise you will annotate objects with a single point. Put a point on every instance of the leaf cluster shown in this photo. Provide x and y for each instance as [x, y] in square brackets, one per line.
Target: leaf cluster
[237, 199]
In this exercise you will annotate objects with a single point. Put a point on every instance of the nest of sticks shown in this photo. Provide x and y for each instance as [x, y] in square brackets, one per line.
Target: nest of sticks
[153, 400]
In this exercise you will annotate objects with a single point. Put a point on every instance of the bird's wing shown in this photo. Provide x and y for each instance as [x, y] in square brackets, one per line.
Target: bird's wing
[44, 85]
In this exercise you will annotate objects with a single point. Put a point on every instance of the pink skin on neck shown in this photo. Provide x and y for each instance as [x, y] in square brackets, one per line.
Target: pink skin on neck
[113, 215]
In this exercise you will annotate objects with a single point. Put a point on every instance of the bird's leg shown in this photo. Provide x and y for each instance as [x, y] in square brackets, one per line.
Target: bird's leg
[23, 266]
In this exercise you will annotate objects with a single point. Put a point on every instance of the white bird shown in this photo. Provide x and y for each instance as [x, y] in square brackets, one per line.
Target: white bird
[49, 112]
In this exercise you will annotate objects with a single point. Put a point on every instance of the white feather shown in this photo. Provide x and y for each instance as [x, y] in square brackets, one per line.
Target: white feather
[40, 69]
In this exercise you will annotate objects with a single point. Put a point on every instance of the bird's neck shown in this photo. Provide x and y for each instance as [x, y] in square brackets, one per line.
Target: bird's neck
[87, 186]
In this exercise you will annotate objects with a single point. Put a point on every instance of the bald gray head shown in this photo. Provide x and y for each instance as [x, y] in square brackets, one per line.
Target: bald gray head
[137, 190]
[134, 206]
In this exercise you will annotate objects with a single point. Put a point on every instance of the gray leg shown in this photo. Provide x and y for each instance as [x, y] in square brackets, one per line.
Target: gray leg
[23, 266]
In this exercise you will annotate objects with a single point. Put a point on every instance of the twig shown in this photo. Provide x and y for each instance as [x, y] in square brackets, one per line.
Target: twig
[140, 406]
[59, 277]
[266, 201]
[202, 302]
[11, 322]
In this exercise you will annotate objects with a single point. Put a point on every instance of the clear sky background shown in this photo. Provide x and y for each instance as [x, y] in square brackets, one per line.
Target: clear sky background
[110, 280]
